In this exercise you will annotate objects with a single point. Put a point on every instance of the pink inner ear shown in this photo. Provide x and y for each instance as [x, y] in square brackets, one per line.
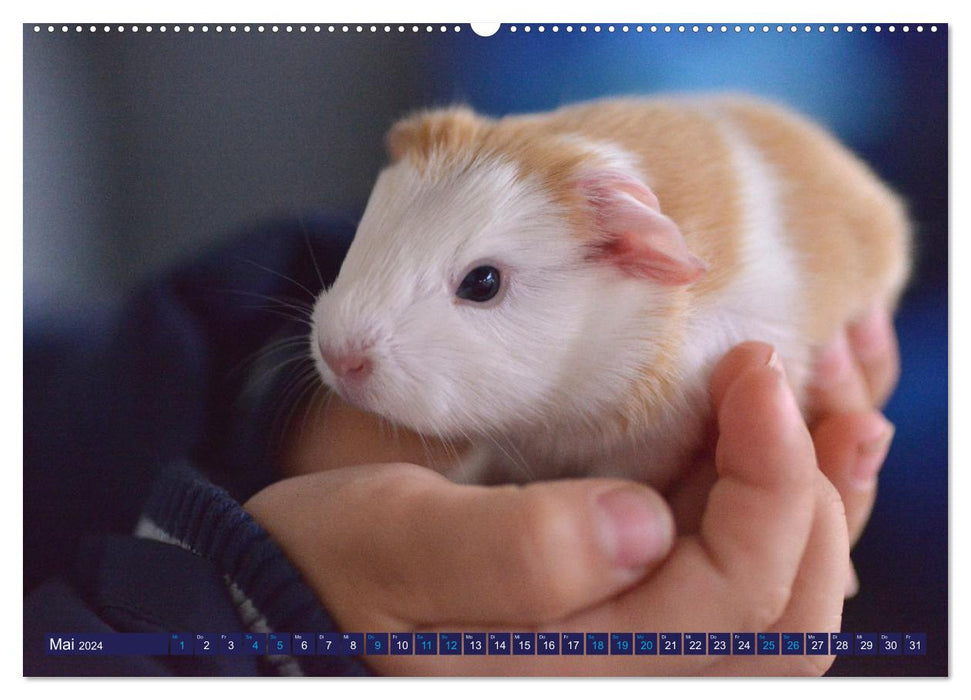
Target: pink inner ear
[633, 234]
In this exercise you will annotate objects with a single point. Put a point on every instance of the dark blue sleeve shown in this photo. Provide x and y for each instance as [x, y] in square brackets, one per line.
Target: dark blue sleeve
[197, 563]
[154, 422]
[132, 585]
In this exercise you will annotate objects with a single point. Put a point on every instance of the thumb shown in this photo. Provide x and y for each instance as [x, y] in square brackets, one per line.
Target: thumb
[413, 547]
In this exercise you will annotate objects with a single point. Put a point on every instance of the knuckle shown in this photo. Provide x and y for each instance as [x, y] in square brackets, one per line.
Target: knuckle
[832, 504]
[549, 581]
[885, 385]
[397, 490]
[765, 605]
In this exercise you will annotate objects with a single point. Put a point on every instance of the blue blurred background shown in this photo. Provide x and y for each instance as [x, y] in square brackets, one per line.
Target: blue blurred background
[142, 151]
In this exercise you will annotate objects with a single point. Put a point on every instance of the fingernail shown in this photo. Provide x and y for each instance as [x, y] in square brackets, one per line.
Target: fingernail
[870, 336]
[871, 454]
[832, 363]
[635, 533]
[776, 363]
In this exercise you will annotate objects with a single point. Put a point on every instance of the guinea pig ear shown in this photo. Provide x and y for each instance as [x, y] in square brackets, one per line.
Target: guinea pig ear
[431, 129]
[631, 232]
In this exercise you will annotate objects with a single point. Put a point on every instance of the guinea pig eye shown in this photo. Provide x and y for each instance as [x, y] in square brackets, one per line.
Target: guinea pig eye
[481, 284]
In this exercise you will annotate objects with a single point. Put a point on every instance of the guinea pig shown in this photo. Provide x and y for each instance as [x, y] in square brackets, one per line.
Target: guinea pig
[555, 288]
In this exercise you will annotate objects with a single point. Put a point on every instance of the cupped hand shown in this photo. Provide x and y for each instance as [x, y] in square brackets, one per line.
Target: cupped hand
[853, 375]
[395, 547]
[851, 378]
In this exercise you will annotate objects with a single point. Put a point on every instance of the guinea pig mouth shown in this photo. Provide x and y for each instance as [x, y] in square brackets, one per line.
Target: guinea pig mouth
[356, 393]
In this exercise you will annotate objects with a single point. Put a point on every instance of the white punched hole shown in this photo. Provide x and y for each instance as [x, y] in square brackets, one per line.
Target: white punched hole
[485, 28]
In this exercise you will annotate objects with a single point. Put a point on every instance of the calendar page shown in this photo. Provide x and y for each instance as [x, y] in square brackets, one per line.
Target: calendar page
[204, 204]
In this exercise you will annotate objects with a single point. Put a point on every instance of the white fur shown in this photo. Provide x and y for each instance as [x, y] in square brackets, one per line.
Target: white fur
[762, 301]
[443, 365]
[533, 377]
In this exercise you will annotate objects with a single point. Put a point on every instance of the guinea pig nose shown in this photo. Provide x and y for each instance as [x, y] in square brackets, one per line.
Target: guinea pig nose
[354, 365]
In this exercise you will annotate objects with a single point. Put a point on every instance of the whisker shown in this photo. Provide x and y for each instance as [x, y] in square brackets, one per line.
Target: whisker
[526, 467]
[302, 313]
[290, 317]
[289, 302]
[426, 449]
[291, 309]
[318, 394]
[284, 344]
[292, 398]
[451, 450]
[304, 321]
[310, 250]
[280, 275]
[517, 460]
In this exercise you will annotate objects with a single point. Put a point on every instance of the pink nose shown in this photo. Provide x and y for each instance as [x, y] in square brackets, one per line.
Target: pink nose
[354, 365]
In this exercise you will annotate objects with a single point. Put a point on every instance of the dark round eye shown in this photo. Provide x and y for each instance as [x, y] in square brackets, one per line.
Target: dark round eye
[481, 284]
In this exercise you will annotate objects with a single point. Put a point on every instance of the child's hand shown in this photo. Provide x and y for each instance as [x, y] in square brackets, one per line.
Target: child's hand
[852, 376]
[855, 373]
[395, 547]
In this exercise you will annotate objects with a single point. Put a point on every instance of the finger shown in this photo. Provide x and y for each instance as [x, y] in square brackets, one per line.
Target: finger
[759, 513]
[337, 434]
[836, 383]
[764, 501]
[741, 359]
[874, 345]
[816, 603]
[738, 571]
[851, 449]
[423, 550]
[687, 497]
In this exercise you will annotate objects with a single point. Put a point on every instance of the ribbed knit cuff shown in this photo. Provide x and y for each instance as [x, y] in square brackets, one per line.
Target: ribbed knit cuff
[184, 508]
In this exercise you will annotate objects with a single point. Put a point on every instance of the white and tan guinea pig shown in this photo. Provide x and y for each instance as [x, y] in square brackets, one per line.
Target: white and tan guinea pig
[555, 288]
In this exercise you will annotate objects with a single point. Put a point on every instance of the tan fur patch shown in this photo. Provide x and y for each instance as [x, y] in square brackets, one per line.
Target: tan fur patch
[431, 132]
[849, 232]
[678, 150]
